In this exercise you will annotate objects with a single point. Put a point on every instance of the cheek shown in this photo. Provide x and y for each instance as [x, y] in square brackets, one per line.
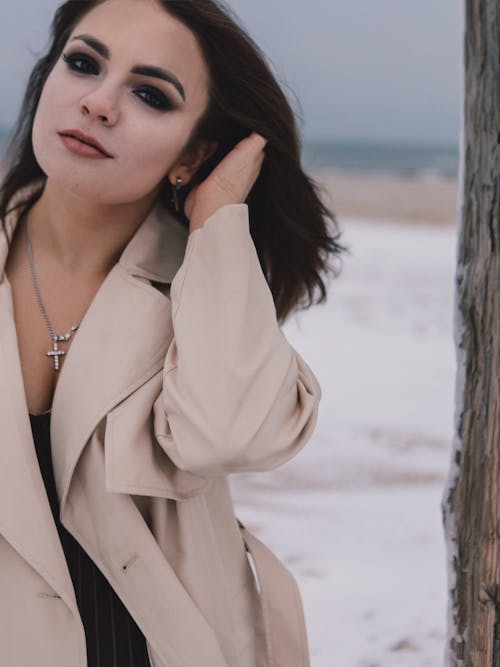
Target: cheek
[45, 120]
[50, 98]
[149, 150]
[145, 157]
[41, 131]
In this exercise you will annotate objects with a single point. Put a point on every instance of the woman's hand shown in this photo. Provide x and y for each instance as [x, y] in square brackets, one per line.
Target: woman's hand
[229, 183]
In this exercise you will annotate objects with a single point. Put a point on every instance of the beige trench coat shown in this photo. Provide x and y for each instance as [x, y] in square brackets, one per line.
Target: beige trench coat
[177, 377]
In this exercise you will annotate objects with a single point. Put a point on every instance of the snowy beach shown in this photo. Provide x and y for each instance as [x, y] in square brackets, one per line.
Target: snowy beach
[356, 514]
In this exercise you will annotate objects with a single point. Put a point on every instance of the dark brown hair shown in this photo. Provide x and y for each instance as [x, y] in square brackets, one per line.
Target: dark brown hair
[294, 232]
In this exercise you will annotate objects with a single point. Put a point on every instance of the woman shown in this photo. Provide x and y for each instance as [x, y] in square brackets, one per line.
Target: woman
[157, 230]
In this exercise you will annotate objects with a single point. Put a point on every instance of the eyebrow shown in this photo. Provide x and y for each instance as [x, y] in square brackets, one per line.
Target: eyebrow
[145, 70]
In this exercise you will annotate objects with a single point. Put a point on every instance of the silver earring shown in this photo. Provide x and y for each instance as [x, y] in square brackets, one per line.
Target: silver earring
[178, 183]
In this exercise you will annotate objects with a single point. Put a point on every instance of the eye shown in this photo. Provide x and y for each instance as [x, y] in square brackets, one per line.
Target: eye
[154, 98]
[84, 64]
[79, 62]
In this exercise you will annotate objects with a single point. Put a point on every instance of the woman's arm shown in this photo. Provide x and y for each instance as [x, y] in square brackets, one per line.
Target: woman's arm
[236, 395]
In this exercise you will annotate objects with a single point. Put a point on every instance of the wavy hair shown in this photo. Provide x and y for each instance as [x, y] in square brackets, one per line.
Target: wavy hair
[295, 234]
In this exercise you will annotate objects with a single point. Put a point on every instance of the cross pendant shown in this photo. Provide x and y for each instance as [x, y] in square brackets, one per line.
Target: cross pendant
[56, 353]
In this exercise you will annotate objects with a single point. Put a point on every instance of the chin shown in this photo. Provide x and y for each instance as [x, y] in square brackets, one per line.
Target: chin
[94, 189]
[94, 182]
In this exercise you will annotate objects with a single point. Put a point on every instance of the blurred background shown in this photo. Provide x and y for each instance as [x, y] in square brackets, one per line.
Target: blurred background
[356, 515]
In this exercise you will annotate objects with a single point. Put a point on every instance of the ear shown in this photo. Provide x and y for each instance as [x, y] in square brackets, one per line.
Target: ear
[187, 167]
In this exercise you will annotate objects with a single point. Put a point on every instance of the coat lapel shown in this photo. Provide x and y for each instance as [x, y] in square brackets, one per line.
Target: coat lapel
[121, 342]
[25, 516]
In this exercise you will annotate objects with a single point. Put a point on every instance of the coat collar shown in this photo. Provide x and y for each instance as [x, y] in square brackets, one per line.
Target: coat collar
[155, 251]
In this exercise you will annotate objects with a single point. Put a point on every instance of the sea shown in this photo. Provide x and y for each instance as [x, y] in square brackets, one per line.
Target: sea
[406, 159]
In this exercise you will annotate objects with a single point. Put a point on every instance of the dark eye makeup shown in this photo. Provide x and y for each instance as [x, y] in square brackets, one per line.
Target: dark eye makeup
[84, 64]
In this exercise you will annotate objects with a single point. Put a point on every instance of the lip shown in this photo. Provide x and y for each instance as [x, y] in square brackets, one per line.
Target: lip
[86, 140]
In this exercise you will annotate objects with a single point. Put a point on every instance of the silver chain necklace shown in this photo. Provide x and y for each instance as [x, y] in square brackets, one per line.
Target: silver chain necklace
[55, 353]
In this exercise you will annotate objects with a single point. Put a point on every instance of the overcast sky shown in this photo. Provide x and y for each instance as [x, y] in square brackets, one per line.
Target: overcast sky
[360, 69]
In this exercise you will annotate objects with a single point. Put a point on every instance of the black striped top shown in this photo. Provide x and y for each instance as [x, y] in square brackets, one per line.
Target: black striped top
[113, 638]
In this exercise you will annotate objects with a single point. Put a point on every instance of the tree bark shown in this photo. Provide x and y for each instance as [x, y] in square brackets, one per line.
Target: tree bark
[471, 498]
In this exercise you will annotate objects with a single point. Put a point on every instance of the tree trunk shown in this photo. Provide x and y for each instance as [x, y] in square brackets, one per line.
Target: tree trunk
[471, 499]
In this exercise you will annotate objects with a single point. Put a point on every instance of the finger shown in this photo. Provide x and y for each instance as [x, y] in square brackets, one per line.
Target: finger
[259, 139]
[256, 172]
[254, 141]
[247, 154]
[244, 157]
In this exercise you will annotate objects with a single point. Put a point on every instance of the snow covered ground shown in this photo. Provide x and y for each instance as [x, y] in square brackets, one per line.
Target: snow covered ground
[356, 514]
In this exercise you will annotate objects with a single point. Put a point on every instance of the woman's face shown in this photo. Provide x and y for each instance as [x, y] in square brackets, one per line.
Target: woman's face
[138, 117]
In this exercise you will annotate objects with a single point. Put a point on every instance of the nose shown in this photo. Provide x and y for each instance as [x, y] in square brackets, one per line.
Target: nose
[101, 105]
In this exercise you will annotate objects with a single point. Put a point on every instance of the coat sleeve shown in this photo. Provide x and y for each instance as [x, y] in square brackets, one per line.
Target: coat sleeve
[236, 396]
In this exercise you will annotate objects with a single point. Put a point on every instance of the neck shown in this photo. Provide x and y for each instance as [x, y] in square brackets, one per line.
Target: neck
[80, 238]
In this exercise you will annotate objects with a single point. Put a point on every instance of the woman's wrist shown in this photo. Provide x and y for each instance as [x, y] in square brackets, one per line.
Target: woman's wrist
[201, 213]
